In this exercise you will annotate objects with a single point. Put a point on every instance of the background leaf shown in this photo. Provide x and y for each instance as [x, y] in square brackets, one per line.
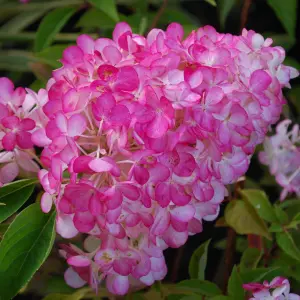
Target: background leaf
[235, 289]
[198, 262]
[202, 287]
[250, 258]
[259, 200]
[224, 8]
[14, 195]
[244, 219]
[286, 243]
[24, 247]
[108, 6]
[286, 12]
[51, 25]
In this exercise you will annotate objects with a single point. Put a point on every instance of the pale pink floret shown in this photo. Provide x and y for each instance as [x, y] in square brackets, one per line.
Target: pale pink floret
[277, 289]
[141, 135]
[282, 155]
[16, 127]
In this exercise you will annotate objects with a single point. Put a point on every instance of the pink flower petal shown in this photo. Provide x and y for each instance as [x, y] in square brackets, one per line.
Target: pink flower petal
[73, 279]
[79, 261]
[76, 125]
[46, 202]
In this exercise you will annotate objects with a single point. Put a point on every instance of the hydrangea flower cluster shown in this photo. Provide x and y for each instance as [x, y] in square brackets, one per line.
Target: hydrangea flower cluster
[282, 155]
[277, 289]
[17, 121]
[140, 137]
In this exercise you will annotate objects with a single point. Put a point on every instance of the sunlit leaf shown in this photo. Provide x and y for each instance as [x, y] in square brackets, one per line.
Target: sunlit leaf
[24, 247]
[259, 200]
[244, 219]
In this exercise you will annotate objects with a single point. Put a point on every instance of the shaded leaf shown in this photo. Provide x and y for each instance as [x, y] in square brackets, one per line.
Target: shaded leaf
[95, 18]
[286, 243]
[15, 60]
[283, 40]
[235, 285]
[281, 215]
[211, 2]
[198, 262]
[243, 218]
[202, 287]
[224, 7]
[286, 12]
[51, 24]
[250, 259]
[25, 246]
[21, 21]
[275, 228]
[14, 195]
[259, 200]
[52, 55]
[109, 7]
[260, 274]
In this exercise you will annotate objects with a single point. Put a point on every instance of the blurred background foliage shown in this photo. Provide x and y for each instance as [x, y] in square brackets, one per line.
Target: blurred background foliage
[32, 39]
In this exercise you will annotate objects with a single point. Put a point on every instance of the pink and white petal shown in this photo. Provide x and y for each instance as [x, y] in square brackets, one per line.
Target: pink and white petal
[120, 29]
[79, 261]
[46, 202]
[39, 138]
[121, 267]
[8, 172]
[259, 81]
[100, 165]
[65, 226]
[73, 279]
[76, 125]
[11, 122]
[183, 214]
[157, 127]
[112, 55]
[61, 122]
[84, 221]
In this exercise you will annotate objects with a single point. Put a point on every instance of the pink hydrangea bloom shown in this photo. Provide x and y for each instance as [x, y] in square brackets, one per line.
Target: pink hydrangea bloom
[277, 289]
[16, 125]
[282, 155]
[141, 136]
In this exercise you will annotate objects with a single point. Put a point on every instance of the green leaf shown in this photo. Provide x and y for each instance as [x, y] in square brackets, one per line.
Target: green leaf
[259, 200]
[220, 297]
[241, 244]
[235, 285]
[16, 60]
[175, 297]
[52, 55]
[290, 61]
[281, 215]
[109, 7]
[3, 228]
[211, 2]
[224, 7]
[202, 287]
[179, 16]
[57, 284]
[14, 195]
[260, 274]
[25, 246]
[283, 40]
[286, 12]
[95, 18]
[275, 228]
[198, 262]
[286, 243]
[21, 21]
[51, 25]
[243, 218]
[250, 259]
